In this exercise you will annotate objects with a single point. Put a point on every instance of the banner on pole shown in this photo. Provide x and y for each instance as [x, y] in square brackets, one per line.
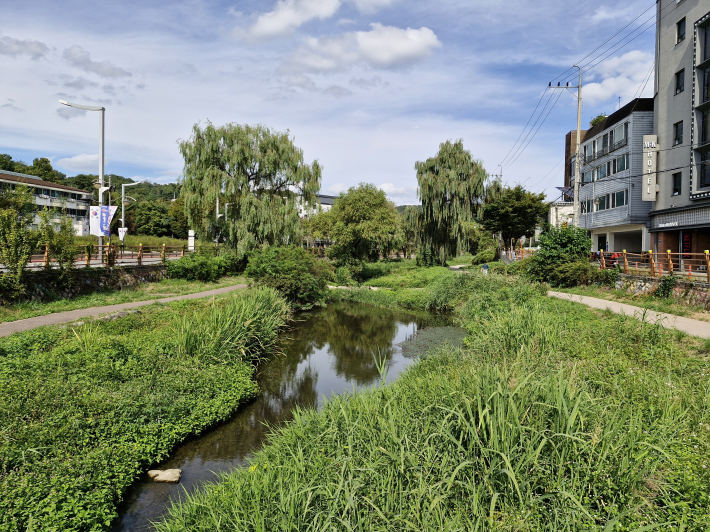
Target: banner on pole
[100, 219]
[122, 233]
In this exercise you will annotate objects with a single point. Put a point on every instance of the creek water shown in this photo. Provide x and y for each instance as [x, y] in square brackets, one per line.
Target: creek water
[326, 352]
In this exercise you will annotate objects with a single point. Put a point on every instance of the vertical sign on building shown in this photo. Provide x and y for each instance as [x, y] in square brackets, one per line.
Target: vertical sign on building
[650, 159]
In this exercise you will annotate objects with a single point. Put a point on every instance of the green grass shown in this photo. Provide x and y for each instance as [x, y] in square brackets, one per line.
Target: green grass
[670, 306]
[554, 417]
[83, 411]
[141, 292]
[409, 277]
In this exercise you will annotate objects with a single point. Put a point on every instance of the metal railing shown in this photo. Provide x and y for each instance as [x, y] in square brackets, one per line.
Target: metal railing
[694, 266]
[606, 150]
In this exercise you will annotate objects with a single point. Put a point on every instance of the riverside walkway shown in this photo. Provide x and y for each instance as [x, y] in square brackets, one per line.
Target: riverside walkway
[58, 318]
[669, 321]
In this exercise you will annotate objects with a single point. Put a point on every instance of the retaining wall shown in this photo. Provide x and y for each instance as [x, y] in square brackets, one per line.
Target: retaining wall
[691, 292]
[44, 285]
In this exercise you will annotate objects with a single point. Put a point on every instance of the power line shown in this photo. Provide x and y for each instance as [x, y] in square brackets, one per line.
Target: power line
[526, 125]
[517, 149]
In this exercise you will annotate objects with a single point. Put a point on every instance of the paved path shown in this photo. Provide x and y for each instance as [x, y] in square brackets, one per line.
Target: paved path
[669, 321]
[6, 329]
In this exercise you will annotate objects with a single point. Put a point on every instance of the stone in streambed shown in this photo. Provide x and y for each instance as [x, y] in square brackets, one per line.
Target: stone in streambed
[167, 475]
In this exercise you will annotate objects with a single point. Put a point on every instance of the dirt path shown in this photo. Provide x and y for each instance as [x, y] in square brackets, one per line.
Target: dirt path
[6, 329]
[669, 321]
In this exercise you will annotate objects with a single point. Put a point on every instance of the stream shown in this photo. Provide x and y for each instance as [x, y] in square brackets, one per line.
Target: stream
[327, 351]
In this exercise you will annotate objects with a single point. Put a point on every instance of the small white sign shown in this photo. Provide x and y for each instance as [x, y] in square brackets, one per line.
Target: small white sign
[122, 231]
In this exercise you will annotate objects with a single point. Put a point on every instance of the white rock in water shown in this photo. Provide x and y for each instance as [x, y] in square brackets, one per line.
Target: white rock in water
[167, 475]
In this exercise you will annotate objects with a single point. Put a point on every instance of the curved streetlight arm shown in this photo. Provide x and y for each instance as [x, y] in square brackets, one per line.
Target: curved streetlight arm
[84, 107]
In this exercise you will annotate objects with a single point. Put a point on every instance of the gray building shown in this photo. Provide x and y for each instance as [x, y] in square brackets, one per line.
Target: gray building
[680, 218]
[611, 207]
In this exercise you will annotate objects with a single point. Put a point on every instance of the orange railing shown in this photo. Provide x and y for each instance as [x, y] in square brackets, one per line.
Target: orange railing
[114, 255]
[691, 265]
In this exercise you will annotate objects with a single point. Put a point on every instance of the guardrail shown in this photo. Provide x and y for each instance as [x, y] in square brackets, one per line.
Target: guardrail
[690, 265]
[114, 255]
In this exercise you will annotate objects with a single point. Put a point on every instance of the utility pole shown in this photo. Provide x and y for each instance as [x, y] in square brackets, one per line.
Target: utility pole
[577, 161]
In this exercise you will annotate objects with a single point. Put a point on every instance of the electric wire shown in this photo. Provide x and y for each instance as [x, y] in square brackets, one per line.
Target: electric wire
[525, 127]
[544, 108]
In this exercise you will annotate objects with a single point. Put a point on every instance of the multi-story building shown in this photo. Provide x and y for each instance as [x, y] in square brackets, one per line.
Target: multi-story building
[68, 201]
[680, 189]
[325, 202]
[611, 206]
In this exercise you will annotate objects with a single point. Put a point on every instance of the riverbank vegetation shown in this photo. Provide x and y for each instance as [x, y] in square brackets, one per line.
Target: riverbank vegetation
[86, 409]
[553, 417]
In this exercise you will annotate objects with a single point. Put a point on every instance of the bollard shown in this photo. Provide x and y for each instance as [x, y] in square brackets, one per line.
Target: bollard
[653, 264]
[626, 263]
[140, 254]
[670, 262]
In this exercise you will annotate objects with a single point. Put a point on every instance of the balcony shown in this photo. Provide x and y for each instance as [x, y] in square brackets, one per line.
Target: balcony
[605, 151]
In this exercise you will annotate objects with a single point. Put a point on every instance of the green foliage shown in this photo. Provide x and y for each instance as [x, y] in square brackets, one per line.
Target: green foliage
[202, 267]
[597, 119]
[515, 213]
[519, 267]
[18, 241]
[487, 255]
[450, 187]
[299, 276]
[259, 172]
[559, 246]
[362, 225]
[41, 167]
[666, 286]
[152, 218]
[60, 239]
[343, 276]
[575, 273]
[177, 219]
[86, 410]
[479, 239]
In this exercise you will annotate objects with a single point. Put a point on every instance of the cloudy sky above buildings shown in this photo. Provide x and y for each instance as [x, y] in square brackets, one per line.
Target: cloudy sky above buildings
[367, 87]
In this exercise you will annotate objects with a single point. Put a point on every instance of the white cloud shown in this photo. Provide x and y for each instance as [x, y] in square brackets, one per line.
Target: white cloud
[336, 188]
[370, 6]
[83, 163]
[79, 58]
[303, 82]
[368, 83]
[605, 14]
[395, 193]
[621, 76]
[344, 22]
[385, 47]
[337, 91]
[289, 15]
[79, 83]
[16, 47]
[70, 112]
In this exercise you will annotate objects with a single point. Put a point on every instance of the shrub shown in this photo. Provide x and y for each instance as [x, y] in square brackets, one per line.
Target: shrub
[520, 267]
[560, 246]
[343, 277]
[498, 267]
[574, 273]
[608, 277]
[665, 287]
[193, 267]
[487, 255]
[299, 276]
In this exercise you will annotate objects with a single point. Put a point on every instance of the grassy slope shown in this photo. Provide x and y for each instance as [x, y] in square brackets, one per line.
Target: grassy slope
[142, 292]
[556, 417]
[83, 411]
[670, 306]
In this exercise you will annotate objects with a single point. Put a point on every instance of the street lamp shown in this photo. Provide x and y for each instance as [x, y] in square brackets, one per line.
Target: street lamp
[101, 187]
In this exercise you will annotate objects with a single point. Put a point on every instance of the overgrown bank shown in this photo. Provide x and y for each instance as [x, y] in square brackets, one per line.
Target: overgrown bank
[555, 417]
[85, 410]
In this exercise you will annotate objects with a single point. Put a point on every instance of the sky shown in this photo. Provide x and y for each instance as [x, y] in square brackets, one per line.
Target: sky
[366, 87]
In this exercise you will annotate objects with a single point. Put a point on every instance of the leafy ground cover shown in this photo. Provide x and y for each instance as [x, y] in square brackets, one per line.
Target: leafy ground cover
[408, 277]
[141, 292]
[553, 417]
[84, 410]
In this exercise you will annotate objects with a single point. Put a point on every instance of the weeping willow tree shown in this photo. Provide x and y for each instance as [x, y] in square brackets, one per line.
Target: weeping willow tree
[244, 183]
[451, 189]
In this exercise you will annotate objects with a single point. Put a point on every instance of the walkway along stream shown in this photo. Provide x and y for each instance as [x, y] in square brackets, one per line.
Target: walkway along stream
[329, 351]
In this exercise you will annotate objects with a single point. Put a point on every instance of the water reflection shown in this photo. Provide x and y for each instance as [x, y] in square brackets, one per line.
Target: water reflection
[326, 352]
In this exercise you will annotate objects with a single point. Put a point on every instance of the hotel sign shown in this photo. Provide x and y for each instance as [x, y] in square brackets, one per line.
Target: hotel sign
[650, 162]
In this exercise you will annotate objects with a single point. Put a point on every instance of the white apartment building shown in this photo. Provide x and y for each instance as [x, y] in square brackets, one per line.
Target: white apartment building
[46, 194]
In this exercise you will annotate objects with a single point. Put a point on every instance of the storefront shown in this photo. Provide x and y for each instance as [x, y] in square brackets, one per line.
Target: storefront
[681, 231]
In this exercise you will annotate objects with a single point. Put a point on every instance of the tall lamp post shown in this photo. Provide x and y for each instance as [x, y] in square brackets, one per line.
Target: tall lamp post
[102, 189]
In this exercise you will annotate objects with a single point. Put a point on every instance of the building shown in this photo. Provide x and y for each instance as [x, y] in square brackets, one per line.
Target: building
[610, 199]
[561, 212]
[680, 189]
[51, 195]
[325, 202]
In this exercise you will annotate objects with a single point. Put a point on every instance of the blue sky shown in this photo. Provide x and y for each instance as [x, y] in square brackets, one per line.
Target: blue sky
[367, 87]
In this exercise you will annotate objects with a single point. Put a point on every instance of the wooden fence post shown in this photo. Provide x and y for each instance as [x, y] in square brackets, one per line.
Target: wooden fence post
[88, 256]
[626, 263]
[670, 262]
[707, 264]
[108, 256]
[162, 254]
[182, 253]
[140, 254]
[601, 254]
[653, 264]
[46, 256]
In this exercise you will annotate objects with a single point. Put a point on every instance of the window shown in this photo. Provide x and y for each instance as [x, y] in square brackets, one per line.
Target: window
[704, 127]
[605, 143]
[619, 199]
[680, 81]
[706, 44]
[587, 177]
[678, 133]
[601, 171]
[680, 30]
[594, 147]
[602, 202]
[705, 89]
[676, 183]
[586, 206]
[621, 163]
[704, 170]
[572, 166]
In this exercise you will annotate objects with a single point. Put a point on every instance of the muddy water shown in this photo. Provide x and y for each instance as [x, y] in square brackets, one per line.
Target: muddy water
[327, 352]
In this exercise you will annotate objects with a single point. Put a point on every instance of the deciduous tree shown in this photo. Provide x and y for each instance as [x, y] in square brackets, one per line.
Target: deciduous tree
[258, 172]
[516, 213]
[451, 189]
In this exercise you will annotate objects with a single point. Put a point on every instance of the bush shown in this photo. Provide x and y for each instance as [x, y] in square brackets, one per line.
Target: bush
[520, 267]
[343, 277]
[608, 277]
[498, 267]
[665, 287]
[574, 273]
[193, 267]
[560, 246]
[299, 276]
[487, 255]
